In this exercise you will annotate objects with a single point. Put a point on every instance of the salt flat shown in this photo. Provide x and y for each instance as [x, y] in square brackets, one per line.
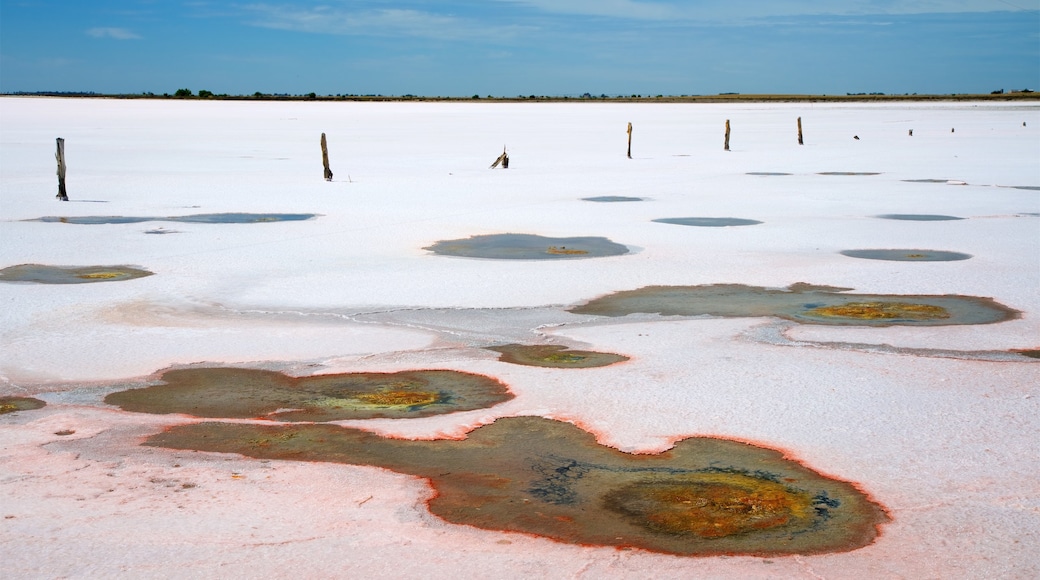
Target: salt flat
[936, 424]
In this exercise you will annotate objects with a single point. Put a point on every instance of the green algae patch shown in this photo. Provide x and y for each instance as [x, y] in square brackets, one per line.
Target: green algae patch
[704, 497]
[555, 356]
[43, 274]
[528, 247]
[802, 303]
[234, 393]
[15, 404]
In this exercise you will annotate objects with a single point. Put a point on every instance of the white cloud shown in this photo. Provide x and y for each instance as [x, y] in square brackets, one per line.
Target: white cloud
[383, 22]
[728, 10]
[116, 33]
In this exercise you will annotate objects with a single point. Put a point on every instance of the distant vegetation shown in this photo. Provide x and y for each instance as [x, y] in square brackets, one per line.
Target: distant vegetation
[188, 94]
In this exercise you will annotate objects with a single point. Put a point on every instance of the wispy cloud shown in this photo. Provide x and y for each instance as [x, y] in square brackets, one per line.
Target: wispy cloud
[326, 19]
[115, 33]
[715, 10]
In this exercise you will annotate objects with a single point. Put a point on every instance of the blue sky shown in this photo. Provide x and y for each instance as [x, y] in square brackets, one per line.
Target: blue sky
[520, 47]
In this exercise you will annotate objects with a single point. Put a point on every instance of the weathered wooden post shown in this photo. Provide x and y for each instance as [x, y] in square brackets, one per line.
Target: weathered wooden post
[503, 159]
[911, 132]
[726, 144]
[325, 157]
[800, 142]
[630, 140]
[60, 156]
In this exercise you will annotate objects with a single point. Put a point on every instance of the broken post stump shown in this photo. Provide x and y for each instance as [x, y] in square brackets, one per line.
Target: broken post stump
[800, 142]
[60, 156]
[503, 160]
[726, 144]
[325, 157]
[630, 140]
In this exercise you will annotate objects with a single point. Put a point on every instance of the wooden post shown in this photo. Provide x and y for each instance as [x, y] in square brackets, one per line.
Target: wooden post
[60, 156]
[726, 144]
[503, 159]
[630, 140]
[800, 142]
[325, 157]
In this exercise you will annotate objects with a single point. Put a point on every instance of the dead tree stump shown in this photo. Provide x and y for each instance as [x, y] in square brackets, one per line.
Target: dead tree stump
[726, 144]
[60, 156]
[325, 157]
[800, 142]
[630, 140]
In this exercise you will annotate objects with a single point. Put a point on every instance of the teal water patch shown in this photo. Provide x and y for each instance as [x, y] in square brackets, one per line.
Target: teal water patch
[528, 247]
[202, 218]
[802, 303]
[708, 222]
[43, 274]
[919, 217]
[611, 198]
[908, 255]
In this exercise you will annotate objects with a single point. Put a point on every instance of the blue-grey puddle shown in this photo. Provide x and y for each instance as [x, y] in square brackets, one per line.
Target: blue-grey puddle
[528, 247]
[708, 222]
[801, 303]
[42, 274]
[919, 217]
[848, 173]
[611, 198]
[908, 255]
[202, 218]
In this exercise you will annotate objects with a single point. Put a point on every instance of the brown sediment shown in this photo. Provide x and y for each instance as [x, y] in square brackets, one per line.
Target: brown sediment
[802, 303]
[43, 274]
[250, 393]
[555, 356]
[563, 250]
[704, 497]
[1029, 352]
[14, 404]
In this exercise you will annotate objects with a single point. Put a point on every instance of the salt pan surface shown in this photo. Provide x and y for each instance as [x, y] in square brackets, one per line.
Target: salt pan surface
[945, 443]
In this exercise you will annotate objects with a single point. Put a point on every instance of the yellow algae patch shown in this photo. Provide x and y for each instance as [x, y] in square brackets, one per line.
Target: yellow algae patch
[882, 311]
[713, 505]
[563, 250]
[101, 275]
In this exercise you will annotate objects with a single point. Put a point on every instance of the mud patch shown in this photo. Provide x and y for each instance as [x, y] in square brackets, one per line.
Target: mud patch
[527, 247]
[801, 303]
[919, 217]
[707, 222]
[555, 356]
[15, 404]
[202, 218]
[42, 274]
[537, 476]
[611, 198]
[909, 255]
[234, 393]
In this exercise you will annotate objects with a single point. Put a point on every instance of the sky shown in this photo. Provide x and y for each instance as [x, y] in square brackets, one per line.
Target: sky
[507, 48]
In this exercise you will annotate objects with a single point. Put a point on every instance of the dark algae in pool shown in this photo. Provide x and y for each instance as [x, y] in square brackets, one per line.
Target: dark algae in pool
[802, 303]
[235, 393]
[531, 475]
[555, 356]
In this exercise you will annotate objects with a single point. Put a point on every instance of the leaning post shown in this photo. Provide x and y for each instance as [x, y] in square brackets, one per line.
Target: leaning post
[726, 144]
[60, 156]
[800, 142]
[325, 157]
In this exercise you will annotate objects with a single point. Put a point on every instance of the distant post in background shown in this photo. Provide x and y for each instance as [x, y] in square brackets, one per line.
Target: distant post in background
[325, 157]
[800, 142]
[726, 144]
[630, 140]
[60, 156]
